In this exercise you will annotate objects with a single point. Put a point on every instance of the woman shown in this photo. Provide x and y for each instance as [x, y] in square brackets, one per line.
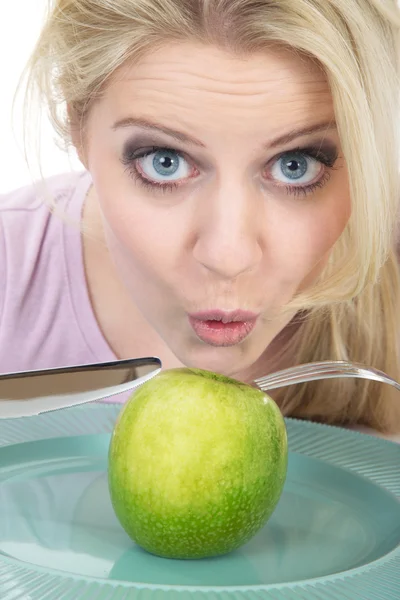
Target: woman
[238, 205]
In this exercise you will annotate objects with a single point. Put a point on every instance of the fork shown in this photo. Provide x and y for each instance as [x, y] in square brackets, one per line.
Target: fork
[329, 369]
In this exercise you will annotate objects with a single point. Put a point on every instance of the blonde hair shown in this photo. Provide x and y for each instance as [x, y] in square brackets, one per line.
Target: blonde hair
[353, 311]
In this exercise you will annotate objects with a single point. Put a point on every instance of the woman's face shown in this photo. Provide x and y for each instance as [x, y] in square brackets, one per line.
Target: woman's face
[222, 190]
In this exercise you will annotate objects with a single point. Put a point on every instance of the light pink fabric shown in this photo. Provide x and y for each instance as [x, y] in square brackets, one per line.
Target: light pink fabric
[46, 318]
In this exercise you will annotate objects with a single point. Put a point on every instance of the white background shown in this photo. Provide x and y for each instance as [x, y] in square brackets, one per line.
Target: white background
[20, 23]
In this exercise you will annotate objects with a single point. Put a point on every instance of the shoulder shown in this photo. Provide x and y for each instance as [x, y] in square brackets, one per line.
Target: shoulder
[26, 212]
[31, 223]
[40, 195]
[34, 221]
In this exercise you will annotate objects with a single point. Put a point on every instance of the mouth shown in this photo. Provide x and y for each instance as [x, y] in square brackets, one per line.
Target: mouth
[223, 328]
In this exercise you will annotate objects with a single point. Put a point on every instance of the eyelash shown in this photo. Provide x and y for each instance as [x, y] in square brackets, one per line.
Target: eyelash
[315, 153]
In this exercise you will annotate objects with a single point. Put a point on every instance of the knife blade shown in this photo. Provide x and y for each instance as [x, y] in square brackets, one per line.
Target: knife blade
[30, 393]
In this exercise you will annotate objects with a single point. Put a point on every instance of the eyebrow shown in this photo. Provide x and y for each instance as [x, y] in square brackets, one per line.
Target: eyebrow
[292, 135]
[183, 137]
[157, 127]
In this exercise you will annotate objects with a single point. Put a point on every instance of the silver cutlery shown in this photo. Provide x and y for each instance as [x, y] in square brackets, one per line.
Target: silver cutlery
[314, 371]
[28, 393]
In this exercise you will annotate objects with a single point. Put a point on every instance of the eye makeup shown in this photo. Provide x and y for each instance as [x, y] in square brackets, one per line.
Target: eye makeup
[324, 152]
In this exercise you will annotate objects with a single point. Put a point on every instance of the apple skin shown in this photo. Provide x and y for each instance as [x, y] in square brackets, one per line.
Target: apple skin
[197, 463]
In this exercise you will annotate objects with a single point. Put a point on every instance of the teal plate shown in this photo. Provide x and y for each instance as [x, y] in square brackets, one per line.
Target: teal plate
[334, 535]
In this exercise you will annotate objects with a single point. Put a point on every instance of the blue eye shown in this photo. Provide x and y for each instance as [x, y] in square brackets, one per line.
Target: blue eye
[300, 171]
[164, 165]
[296, 167]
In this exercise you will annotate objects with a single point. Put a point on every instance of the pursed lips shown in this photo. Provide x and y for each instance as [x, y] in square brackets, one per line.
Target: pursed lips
[223, 328]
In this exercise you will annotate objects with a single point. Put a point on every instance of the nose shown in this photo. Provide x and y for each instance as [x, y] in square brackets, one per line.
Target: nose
[228, 230]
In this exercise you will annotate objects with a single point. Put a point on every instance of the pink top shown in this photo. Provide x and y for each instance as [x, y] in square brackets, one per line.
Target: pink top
[46, 318]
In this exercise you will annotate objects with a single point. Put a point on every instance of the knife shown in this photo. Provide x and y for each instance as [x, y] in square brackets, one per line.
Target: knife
[30, 393]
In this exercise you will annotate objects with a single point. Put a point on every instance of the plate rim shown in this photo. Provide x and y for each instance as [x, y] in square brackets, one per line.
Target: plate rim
[52, 424]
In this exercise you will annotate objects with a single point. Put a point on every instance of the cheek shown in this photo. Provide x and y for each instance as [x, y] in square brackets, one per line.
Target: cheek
[138, 235]
[305, 242]
[132, 235]
[138, 245]
[325, 234]
[332, 218]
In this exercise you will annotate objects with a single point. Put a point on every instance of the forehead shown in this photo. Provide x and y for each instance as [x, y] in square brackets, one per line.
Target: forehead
[190, 82]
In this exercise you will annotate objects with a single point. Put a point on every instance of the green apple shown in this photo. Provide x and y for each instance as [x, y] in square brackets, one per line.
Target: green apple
[197, 463]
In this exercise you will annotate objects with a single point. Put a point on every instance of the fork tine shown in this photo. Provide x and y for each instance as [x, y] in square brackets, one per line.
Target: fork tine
[311, 373]
[323, 370]
[324, 365]
[303, 374]
[268, 385]
[303, 369]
